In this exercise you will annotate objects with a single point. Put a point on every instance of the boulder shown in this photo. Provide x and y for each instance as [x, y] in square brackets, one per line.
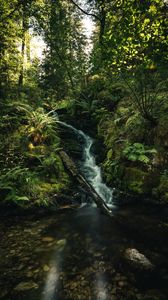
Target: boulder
[138, 260]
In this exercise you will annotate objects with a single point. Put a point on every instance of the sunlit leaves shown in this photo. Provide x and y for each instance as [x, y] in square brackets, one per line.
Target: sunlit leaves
[136, 33]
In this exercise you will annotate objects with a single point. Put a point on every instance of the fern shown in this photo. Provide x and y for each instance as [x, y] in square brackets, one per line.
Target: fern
[137, 152]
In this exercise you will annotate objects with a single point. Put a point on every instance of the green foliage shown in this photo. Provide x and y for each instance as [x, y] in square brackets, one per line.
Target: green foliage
[41, 126]
[65, 39]
[136, 34]
[148, 92]
[29, 156]
[137, 152]
[17, 184]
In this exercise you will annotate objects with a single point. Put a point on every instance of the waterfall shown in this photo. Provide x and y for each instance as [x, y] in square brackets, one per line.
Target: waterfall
[90, 170]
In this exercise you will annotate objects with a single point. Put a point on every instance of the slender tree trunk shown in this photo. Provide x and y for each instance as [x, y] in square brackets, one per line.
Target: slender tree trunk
[25, 24]
[102, 22]
[21, 76]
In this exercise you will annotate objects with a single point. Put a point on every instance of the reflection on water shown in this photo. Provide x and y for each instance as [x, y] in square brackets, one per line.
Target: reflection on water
[79, 255]
[52, 281]
[100, 287]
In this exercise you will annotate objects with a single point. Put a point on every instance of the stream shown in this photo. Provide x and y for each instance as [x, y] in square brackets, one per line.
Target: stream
[81, 254]
[89, 168]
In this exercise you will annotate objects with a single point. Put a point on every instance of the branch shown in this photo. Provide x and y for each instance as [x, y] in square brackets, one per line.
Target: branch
[84, 11]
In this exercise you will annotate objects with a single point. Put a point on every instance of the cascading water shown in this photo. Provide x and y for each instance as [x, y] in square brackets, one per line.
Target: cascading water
[93, 172]
[90, 170]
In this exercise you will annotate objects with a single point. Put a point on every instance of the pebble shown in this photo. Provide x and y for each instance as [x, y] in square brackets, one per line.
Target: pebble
[46, 268]
[3, 292]
[13, 252]
[121, 283]
[20, 267]
[47, 239]
[24, 286]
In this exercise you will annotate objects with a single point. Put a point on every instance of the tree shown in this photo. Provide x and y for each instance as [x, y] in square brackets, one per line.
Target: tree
[136, 34]
[9, 38]
[65, 49]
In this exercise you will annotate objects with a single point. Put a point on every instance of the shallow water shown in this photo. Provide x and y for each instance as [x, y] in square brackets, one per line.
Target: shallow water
[79, 254]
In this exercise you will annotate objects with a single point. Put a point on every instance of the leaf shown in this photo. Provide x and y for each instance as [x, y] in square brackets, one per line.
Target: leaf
[144, 159]
[139, 146]
[153, 151]
[109, 154]
[21, 198]
[132, 157]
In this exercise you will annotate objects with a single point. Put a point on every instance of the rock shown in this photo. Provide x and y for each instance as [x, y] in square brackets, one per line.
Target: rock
[3, 292]
[114, 291]
[154, 295]
[138, 260]
[101, 295]
[20, 267]
[46, 268]
[131, 295]
[113, 297]
[61, 243]
[97, 254]
[24, 286]
[29, 274]
[122, 284]
[47, 239]
[12, 252]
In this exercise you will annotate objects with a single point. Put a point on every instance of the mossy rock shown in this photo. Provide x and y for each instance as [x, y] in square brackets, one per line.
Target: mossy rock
[140, 182]
[161, 136]
[161, 191]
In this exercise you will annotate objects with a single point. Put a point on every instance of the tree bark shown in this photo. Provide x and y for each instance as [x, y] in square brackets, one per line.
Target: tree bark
[25, 25]
[72, 169]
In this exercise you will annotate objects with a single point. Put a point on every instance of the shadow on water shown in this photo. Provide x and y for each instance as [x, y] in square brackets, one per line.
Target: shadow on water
[79, 255]
[87, 246]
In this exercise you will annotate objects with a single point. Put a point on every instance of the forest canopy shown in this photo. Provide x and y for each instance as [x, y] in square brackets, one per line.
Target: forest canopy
[116, 81]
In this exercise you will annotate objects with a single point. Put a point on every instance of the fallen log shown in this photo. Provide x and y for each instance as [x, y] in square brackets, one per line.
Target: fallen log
[73, 170]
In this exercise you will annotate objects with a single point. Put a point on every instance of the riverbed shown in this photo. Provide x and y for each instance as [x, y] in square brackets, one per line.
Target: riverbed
[80, 253]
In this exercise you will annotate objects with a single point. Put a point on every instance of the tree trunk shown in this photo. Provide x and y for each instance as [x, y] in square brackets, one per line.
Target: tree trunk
[25, 25]
[102, 23]
[72, 169]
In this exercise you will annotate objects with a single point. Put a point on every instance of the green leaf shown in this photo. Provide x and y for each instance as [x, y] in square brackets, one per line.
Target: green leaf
[21, 198]
[109, 154]
[132, 157]
[144, 159]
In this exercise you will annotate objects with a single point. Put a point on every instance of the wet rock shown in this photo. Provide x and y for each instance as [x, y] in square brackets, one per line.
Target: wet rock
[131, 295]
[154, 295]
[114, 291]
[29, 274]
[24, 286]
[138, 260]
[98, 254]
[122, 284]
[46, 268]
[61, 242]
[47, 239]
[113, 297]
[20, 267]
[12, 252]
[3, 292]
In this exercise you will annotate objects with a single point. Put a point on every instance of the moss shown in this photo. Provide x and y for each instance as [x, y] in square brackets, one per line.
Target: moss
[161, 191]
[134, 180]
[161, 136]
[138, 181]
